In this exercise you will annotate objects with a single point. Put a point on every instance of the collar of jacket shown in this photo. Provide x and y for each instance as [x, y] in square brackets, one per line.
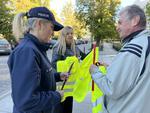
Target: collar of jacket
[42, 46]
[131, 36]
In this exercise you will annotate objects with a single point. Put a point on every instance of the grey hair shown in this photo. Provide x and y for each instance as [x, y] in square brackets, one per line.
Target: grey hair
[62, 41]
[134, 10]
[23, 25]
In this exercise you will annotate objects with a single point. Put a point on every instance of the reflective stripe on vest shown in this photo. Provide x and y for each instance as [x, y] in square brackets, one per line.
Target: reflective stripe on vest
[68, 86]
[98, 101]
[67, 83]
[97, 105]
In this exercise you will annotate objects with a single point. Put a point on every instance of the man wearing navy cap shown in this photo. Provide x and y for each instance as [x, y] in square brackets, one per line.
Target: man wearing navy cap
[32, 77]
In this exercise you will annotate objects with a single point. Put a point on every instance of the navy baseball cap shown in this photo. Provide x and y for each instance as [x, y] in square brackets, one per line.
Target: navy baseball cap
[43, 12]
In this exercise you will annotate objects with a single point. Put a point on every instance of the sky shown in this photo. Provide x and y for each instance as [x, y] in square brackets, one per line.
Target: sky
[57, 5]
[127, 2]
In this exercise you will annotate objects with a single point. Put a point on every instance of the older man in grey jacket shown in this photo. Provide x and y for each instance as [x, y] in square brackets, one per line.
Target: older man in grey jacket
[127, 82]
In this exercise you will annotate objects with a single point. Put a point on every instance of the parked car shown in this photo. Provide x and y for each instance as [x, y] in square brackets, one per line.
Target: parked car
[5, 47]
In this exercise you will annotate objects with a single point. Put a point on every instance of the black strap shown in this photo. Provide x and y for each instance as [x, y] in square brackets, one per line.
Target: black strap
[147, 53]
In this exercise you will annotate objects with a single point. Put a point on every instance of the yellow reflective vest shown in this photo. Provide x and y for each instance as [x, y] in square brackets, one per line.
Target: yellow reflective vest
[82, 84]
[63, 66]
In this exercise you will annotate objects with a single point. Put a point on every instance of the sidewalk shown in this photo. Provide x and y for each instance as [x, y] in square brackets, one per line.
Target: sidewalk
[106, 55]
[6, 104]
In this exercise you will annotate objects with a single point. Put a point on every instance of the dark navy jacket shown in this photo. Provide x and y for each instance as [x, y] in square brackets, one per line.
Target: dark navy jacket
[33, 81]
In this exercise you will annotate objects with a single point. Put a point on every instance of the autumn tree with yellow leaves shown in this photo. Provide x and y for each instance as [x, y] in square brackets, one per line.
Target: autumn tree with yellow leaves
[69, 18]
[25, 5]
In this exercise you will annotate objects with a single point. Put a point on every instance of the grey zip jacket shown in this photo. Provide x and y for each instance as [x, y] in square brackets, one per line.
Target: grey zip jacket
[126, 86]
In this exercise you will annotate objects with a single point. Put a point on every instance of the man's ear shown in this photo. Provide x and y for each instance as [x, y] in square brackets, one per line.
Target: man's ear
[135, 21]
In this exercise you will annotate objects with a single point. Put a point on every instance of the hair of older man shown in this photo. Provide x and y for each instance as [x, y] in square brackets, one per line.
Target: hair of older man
[134, 10]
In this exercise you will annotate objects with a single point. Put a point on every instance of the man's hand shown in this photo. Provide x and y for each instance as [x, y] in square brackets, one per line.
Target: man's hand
[93, 69]
[64, 75]
[100, 63]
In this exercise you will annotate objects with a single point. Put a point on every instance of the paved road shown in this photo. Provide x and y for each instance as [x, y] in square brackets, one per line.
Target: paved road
[4, 76]
[107, 54]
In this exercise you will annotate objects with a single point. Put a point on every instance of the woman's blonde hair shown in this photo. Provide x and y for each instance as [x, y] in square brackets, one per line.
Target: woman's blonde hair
[18, 27]
[22, 25]
[62, 41]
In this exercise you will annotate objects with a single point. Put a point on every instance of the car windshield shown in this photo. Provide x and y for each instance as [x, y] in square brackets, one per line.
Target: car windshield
[3, 41]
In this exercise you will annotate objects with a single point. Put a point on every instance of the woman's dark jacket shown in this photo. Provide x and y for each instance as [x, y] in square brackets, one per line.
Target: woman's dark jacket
[33, 81]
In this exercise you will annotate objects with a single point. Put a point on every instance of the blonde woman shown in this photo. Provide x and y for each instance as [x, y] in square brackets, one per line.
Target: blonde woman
[33, 81]
[64, 48]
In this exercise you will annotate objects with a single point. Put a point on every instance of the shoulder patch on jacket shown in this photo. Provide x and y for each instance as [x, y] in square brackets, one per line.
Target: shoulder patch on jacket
[133, 48]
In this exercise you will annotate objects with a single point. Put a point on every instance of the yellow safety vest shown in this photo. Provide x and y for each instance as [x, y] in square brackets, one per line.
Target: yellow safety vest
[82, 84]
[63, 66]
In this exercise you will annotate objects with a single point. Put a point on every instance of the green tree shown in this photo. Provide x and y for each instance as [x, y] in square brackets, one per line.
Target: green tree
[5, 19]
[148, 13]
[99, 16]
[69, 18]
